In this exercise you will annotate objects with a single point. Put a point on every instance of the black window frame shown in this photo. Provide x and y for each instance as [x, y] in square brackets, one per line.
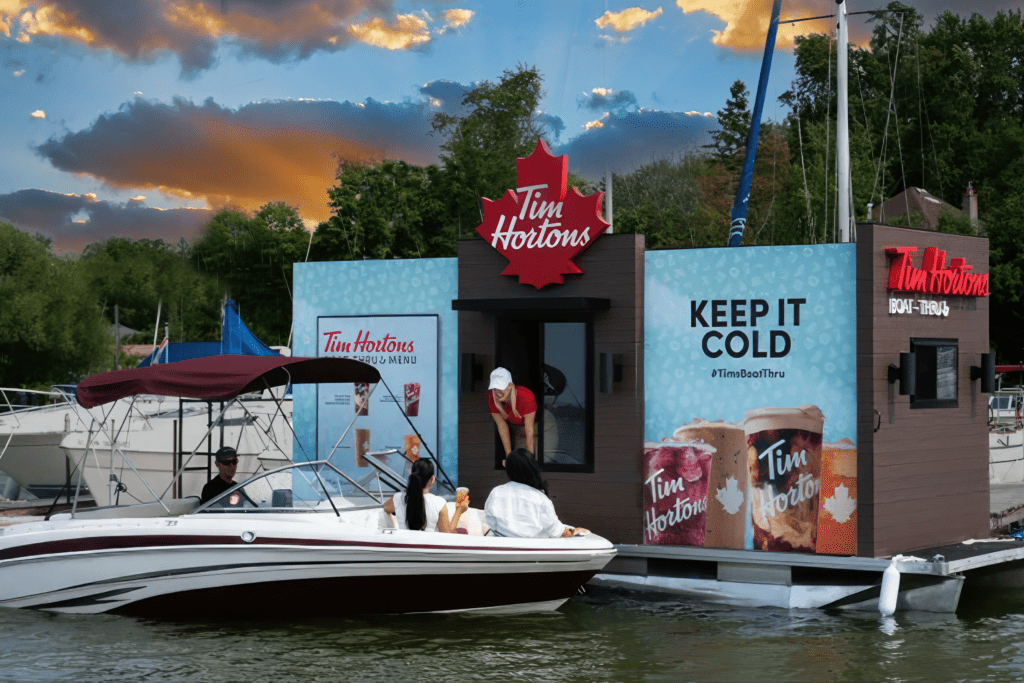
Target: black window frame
[916, 345]
[541, 317]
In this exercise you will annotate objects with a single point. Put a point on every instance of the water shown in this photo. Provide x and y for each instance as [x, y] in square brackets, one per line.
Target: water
[604, 636]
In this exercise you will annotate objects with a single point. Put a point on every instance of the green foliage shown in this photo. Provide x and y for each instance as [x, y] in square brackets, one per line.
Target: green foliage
[51, 330]
[250, 260]
[730, 139]
[661, 200]
[140, 276]
[952, 224]
[480, 147]
[389, 209]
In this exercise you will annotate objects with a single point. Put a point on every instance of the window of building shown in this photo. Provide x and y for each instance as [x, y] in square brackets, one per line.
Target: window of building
[936, 373]
[555, 360]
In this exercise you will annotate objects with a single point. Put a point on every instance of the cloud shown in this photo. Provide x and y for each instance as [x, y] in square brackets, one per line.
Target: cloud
[746, 22]
[281, 150]
[627, 19]
[603, 98]
[456, 18]
[19, 73]
[628, 140]
[38, 114]
[276, 30]
[407, 31]
[73, 221]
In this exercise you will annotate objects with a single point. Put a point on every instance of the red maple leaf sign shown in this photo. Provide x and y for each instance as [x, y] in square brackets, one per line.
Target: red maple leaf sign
[540, 228]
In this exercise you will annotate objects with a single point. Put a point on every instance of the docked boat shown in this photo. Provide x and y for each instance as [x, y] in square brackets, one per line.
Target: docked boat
[1006, 432]
[40, 445]
[303, 532]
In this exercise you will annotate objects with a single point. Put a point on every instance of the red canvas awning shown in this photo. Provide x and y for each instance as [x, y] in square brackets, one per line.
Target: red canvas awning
[218, 378]
[1009, 368]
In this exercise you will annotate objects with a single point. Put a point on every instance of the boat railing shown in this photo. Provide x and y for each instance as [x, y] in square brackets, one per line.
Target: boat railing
[1005, 410]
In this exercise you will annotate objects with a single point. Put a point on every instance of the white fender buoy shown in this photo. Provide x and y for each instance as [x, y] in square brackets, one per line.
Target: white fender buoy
[890, 588]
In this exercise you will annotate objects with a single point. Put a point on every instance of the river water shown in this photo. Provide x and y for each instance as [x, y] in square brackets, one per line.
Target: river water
[602, 636]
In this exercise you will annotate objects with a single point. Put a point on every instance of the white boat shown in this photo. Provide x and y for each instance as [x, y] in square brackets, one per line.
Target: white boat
[30, 438]
[1006, 436]
[147, 442]
[303, 533]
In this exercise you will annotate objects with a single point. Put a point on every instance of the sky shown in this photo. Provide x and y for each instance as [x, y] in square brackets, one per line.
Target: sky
[142, 118]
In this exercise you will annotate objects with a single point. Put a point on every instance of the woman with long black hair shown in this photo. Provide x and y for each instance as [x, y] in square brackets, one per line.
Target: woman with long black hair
[521, 507]
[418, 508]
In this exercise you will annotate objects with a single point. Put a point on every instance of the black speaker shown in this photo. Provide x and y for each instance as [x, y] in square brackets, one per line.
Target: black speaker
[986, 373]
[607, 373]
[905, 374]
[908, 374]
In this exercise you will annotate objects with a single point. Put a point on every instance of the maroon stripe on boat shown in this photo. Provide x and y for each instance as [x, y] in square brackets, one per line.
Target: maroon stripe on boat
[79, 545]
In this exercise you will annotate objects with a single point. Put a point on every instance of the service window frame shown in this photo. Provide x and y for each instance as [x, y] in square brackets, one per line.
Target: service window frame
[928, 374]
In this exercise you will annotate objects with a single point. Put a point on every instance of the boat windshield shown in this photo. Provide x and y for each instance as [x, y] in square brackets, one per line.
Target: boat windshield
[316, 486]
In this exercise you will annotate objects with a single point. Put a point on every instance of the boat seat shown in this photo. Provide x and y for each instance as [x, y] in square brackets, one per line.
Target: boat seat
[176, 508]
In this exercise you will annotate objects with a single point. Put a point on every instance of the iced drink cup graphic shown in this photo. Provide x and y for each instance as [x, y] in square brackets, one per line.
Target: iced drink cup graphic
[361, 403]
[784, 457]
[676, 476]
[411, 446]
[837, 507]
[461, 495]
[727, 513]
[412, 399]
[362, 447]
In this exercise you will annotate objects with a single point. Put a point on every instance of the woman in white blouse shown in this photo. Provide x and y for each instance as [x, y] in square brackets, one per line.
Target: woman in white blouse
[521, 508]
[418, 508]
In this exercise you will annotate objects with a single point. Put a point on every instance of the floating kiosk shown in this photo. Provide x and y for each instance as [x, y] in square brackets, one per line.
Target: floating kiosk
[760, 425]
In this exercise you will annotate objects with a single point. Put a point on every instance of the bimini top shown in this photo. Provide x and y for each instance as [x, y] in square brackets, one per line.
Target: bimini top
[218, 378]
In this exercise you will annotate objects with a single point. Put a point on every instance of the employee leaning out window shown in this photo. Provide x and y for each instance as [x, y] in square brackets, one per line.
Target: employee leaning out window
[513, 409]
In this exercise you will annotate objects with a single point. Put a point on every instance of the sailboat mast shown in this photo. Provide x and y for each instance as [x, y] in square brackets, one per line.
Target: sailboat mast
[843, 125]
[739, 209]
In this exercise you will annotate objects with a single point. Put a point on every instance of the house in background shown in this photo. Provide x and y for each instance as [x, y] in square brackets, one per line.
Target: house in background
[924, 208]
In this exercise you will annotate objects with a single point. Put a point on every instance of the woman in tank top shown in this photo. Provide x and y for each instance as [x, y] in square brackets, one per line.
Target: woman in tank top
[418, 508]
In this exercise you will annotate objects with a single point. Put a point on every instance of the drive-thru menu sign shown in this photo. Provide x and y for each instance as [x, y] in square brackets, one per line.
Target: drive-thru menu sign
[540, 227]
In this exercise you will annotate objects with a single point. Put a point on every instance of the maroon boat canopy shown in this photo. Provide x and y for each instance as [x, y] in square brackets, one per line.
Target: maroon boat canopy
[218, 378]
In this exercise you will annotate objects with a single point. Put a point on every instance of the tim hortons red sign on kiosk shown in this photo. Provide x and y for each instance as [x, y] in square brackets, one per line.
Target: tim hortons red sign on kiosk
[933, 277]
[540, 228]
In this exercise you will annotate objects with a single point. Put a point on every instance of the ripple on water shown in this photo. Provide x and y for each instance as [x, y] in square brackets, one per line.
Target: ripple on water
[604, 636]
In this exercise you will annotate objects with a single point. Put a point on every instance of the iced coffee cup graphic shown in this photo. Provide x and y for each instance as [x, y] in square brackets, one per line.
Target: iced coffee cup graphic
[727, 514]
[411, 446]
[676, 476]
[362, 447]
[412, 399]
[361, 403]
[837, 502]
[784, 457]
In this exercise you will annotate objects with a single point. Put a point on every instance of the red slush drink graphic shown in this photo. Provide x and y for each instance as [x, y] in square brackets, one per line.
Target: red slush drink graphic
[676, 478]
[412, 399]
[362, 398]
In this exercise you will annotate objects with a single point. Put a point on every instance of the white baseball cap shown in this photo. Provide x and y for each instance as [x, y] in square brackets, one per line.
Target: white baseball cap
[500, 379]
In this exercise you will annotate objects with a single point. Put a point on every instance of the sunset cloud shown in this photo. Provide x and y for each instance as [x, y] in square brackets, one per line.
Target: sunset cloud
[38, 114]
[73, 221]
[283, 150]
[603, 98]
[746, 21]
[276, 30]
[407, 31]
[627, 19]
[456, 18]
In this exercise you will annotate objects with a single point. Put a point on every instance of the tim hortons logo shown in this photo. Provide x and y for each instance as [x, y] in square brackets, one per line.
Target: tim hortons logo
[540, 228]
[933, 277]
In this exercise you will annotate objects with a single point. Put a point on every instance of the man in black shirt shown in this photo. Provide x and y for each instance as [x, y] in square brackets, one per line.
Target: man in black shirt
[227, 462]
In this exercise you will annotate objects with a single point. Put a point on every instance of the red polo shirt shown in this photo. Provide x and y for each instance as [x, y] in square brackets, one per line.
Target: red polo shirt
[526, 403]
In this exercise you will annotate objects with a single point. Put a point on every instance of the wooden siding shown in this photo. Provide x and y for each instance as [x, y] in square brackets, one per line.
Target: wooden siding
[923, 476]
[609, 500]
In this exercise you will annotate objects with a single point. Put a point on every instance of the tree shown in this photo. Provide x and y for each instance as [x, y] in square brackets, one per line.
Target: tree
[498, 123]
[51, 329]
[730, 139]
[388, 209]
[251, 260]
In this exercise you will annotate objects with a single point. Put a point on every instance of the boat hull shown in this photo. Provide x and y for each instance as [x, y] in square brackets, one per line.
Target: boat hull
[201, 567]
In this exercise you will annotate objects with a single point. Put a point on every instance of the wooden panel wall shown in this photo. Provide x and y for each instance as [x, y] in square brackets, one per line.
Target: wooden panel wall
[609, 500]
[923, 476]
